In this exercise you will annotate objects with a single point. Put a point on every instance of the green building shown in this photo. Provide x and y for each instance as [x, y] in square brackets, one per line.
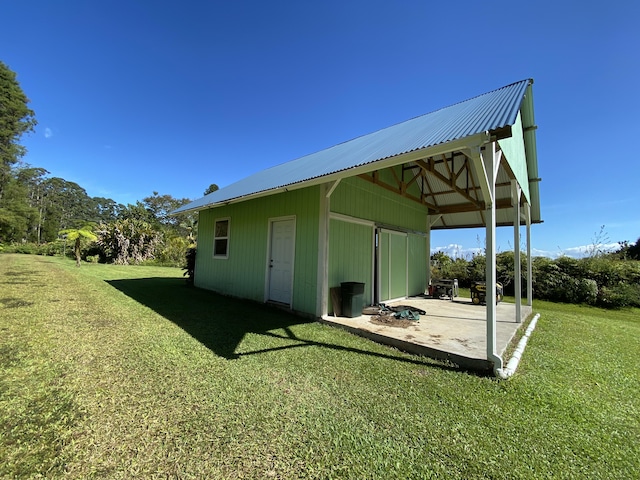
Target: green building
[362, 211]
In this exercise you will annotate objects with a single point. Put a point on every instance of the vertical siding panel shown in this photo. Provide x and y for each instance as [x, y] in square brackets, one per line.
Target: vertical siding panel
[361, 199]
[358, 198]
[350, 255]
[417, 265]
[398, 253]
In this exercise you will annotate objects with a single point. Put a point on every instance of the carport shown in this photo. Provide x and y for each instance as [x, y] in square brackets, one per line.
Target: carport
[484, 174]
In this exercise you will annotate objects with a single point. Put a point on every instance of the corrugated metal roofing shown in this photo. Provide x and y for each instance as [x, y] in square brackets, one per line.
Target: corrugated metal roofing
[490, 111]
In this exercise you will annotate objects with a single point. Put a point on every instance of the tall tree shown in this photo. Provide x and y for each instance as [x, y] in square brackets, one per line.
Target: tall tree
[16, 216]
[16, 119]
[160, 206]
[135, 212]
[105, 209]
[35, 182]
[634, 250]
[67, 205]
[211, 188]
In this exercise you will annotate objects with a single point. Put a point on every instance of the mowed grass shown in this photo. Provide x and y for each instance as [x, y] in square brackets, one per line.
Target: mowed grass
[124, 372]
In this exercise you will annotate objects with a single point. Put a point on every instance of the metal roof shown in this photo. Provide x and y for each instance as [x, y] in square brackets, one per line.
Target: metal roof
[488, 112]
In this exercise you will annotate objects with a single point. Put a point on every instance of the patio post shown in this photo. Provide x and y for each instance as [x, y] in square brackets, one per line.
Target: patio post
[491, 161]
[431, 221]
[322, 298]
[428, 240]
[527, 213]
[516, 193]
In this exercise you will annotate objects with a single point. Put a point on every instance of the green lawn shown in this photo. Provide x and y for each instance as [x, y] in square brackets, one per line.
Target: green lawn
[124, 372]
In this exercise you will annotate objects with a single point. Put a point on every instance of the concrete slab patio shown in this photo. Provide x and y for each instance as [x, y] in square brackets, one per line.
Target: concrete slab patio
[451, 330]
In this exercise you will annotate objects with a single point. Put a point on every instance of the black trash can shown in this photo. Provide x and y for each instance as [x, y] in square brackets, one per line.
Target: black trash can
[352, 298]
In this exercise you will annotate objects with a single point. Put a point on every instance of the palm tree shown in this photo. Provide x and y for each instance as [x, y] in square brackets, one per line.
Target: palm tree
[78, 234]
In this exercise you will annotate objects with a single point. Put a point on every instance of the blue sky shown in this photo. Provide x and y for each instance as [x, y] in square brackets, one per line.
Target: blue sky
[140, 96]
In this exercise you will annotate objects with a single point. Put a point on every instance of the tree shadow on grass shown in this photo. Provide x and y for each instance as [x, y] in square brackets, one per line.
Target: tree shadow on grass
[220, 323]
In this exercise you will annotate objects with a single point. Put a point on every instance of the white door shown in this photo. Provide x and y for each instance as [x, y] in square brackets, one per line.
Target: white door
[281, 260]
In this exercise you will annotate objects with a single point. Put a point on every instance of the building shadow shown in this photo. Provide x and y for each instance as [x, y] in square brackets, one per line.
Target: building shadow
[220, 323]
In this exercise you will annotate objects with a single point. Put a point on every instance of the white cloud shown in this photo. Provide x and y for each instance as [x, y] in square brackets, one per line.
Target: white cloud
[48, 133]
[586, 250]
[536, 252]
[455, 250]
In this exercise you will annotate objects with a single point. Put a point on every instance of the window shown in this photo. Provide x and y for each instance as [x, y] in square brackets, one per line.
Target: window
[221, 238]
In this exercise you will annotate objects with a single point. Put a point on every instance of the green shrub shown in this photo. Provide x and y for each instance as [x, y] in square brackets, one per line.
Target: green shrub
[171, 251]
[604, 281]
[585, 291]
[51, 249]
[26, 248]
[619, 296]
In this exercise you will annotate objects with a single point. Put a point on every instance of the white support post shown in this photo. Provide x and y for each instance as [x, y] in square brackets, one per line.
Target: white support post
[428, 247]
[516, 193]
[529, 259]
[491, 163]
[430, 222]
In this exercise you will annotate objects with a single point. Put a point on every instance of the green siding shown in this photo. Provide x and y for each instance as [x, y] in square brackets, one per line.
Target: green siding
[398, 254]
[351, 251]
[383, 249]
[361, 199]
[350, 256]
[403, 265]
[403, 259]
[243, 274]
[514, 152]
[418, 262]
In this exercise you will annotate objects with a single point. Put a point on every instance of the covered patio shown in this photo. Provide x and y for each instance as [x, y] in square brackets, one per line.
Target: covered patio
[455, 331]
[483, 177]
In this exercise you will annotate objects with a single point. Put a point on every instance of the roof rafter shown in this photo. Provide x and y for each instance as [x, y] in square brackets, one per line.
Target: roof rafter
[451, 181]
[400, 188]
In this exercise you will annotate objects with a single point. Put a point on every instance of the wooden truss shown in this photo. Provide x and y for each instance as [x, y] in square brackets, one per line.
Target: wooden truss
[447, 184]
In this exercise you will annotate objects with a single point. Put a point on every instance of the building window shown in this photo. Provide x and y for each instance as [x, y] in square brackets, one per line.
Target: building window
[221, 239]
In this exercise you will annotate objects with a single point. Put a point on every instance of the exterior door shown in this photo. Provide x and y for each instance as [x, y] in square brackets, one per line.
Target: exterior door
[281, 255]
[392, 265]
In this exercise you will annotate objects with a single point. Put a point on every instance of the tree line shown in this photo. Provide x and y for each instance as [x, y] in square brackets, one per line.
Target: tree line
[42, 214]
[46, 215]
[35, 207]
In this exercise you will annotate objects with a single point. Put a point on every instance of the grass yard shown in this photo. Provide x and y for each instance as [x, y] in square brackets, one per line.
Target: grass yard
[124, 372]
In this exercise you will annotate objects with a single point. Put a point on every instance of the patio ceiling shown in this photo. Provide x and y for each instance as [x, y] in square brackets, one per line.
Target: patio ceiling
[450, 188]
